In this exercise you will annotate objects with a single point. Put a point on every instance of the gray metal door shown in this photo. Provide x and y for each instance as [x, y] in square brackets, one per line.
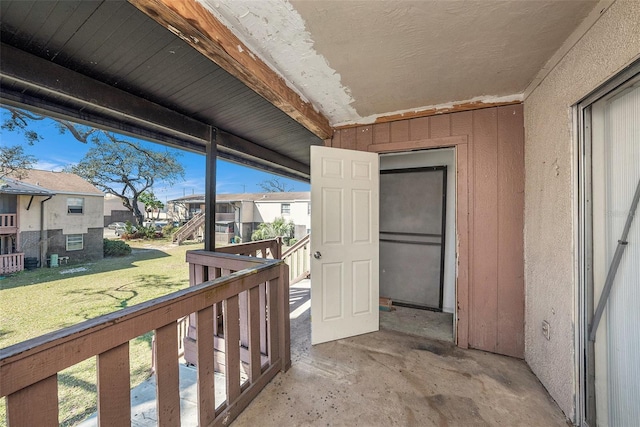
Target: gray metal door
[412, 225]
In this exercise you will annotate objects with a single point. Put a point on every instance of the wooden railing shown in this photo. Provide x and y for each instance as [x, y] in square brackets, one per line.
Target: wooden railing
[8, 223]
[11, 263]
[297, 258]
[28, 371]
[271, 248]
[262, 249]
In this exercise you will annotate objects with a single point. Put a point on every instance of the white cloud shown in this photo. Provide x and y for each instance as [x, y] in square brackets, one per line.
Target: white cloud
[49, 165]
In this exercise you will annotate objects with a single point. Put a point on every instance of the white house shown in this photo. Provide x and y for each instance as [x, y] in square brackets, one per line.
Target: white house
[240, 214]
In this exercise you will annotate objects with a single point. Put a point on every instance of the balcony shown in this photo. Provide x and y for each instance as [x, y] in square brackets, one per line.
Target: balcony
[225, 216]
[248, 297]
[383, 378]
[8, 223]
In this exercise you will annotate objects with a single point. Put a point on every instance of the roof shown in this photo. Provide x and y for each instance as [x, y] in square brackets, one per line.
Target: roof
[11, 186]
[247, 197]
[59, 182]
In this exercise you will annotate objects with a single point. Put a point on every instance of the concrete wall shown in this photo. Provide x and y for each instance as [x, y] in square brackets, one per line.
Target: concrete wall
[490, 202]
[550, 192]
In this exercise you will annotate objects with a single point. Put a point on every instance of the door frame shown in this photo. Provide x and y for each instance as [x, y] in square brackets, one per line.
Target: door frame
[443, 228]
[583, 240]
[463, 160]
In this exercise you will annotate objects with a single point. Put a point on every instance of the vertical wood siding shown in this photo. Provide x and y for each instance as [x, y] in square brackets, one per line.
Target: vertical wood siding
[490, 216]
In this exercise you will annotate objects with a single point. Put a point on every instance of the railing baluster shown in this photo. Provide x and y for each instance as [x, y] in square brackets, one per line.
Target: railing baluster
[205, 367]
[114, 396]
[167, 376]
[263, 317]
[284, 320]
[255, 361]
[36, 405]
[244, 319]
[232, 347]
[272, 321]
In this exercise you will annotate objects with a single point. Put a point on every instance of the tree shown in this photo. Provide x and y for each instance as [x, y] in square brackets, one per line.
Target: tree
[274, 185]
[278, 228]
[14, 162]
[117, 166]
[151, 203]
[122, 168]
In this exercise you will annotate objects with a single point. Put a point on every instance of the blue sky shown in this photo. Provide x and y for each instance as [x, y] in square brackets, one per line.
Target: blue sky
[56, 151]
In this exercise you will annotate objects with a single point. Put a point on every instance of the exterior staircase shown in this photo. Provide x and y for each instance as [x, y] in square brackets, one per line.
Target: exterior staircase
[189, 229]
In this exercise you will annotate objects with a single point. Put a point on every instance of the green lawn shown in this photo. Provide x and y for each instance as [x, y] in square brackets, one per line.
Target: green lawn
[36, 302]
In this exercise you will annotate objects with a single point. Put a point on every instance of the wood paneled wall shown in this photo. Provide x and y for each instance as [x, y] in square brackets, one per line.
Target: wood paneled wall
[490, 213]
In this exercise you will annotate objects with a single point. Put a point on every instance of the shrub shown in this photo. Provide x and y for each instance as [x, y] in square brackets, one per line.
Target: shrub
[293, 242]
[149, 232]
[235, 239]
[115, 248]
[169, 229]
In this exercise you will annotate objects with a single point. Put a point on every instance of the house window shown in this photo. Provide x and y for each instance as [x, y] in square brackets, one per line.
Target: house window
[75, 205]
[75, 242]
[285, 208]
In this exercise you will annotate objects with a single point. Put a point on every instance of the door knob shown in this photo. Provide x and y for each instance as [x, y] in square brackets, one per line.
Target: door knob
[317, 255]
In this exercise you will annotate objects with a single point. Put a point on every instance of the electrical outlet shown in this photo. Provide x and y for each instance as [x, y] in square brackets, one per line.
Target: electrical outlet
[546, 330]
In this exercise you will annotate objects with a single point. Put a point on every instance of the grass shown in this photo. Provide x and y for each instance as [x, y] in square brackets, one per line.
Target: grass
[33, 303]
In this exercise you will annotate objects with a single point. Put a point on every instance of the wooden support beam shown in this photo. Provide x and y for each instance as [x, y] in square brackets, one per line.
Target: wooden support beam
[210, 195]
[59, 92]
[435, 111]
[194, 24]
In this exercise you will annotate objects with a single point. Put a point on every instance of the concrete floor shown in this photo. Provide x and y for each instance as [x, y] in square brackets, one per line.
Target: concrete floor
[421, 323]
[386, 378]
[392, 378]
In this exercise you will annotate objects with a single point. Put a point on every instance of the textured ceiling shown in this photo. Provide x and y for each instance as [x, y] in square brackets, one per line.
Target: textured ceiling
[356, 60]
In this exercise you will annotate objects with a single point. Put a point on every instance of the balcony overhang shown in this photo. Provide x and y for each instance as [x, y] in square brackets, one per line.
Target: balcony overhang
[151, 84]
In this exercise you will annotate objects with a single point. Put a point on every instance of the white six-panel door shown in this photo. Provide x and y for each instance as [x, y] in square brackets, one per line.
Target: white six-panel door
[344, 243]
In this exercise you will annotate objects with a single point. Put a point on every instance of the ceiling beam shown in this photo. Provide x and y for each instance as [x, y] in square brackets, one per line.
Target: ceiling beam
[194, 24]
[236, 148]
[53, 90]
[59, 92]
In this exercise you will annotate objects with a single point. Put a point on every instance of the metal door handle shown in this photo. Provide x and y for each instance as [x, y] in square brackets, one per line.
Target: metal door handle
[317, 255]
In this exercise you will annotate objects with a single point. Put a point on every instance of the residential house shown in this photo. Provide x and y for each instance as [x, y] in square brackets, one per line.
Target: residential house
[536, 102]
[45, 213]
[241, 214]
[114, 210]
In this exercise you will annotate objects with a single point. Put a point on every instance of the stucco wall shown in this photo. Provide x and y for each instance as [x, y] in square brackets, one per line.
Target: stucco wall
[56, 216]
[269, 211]
[550, 183]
